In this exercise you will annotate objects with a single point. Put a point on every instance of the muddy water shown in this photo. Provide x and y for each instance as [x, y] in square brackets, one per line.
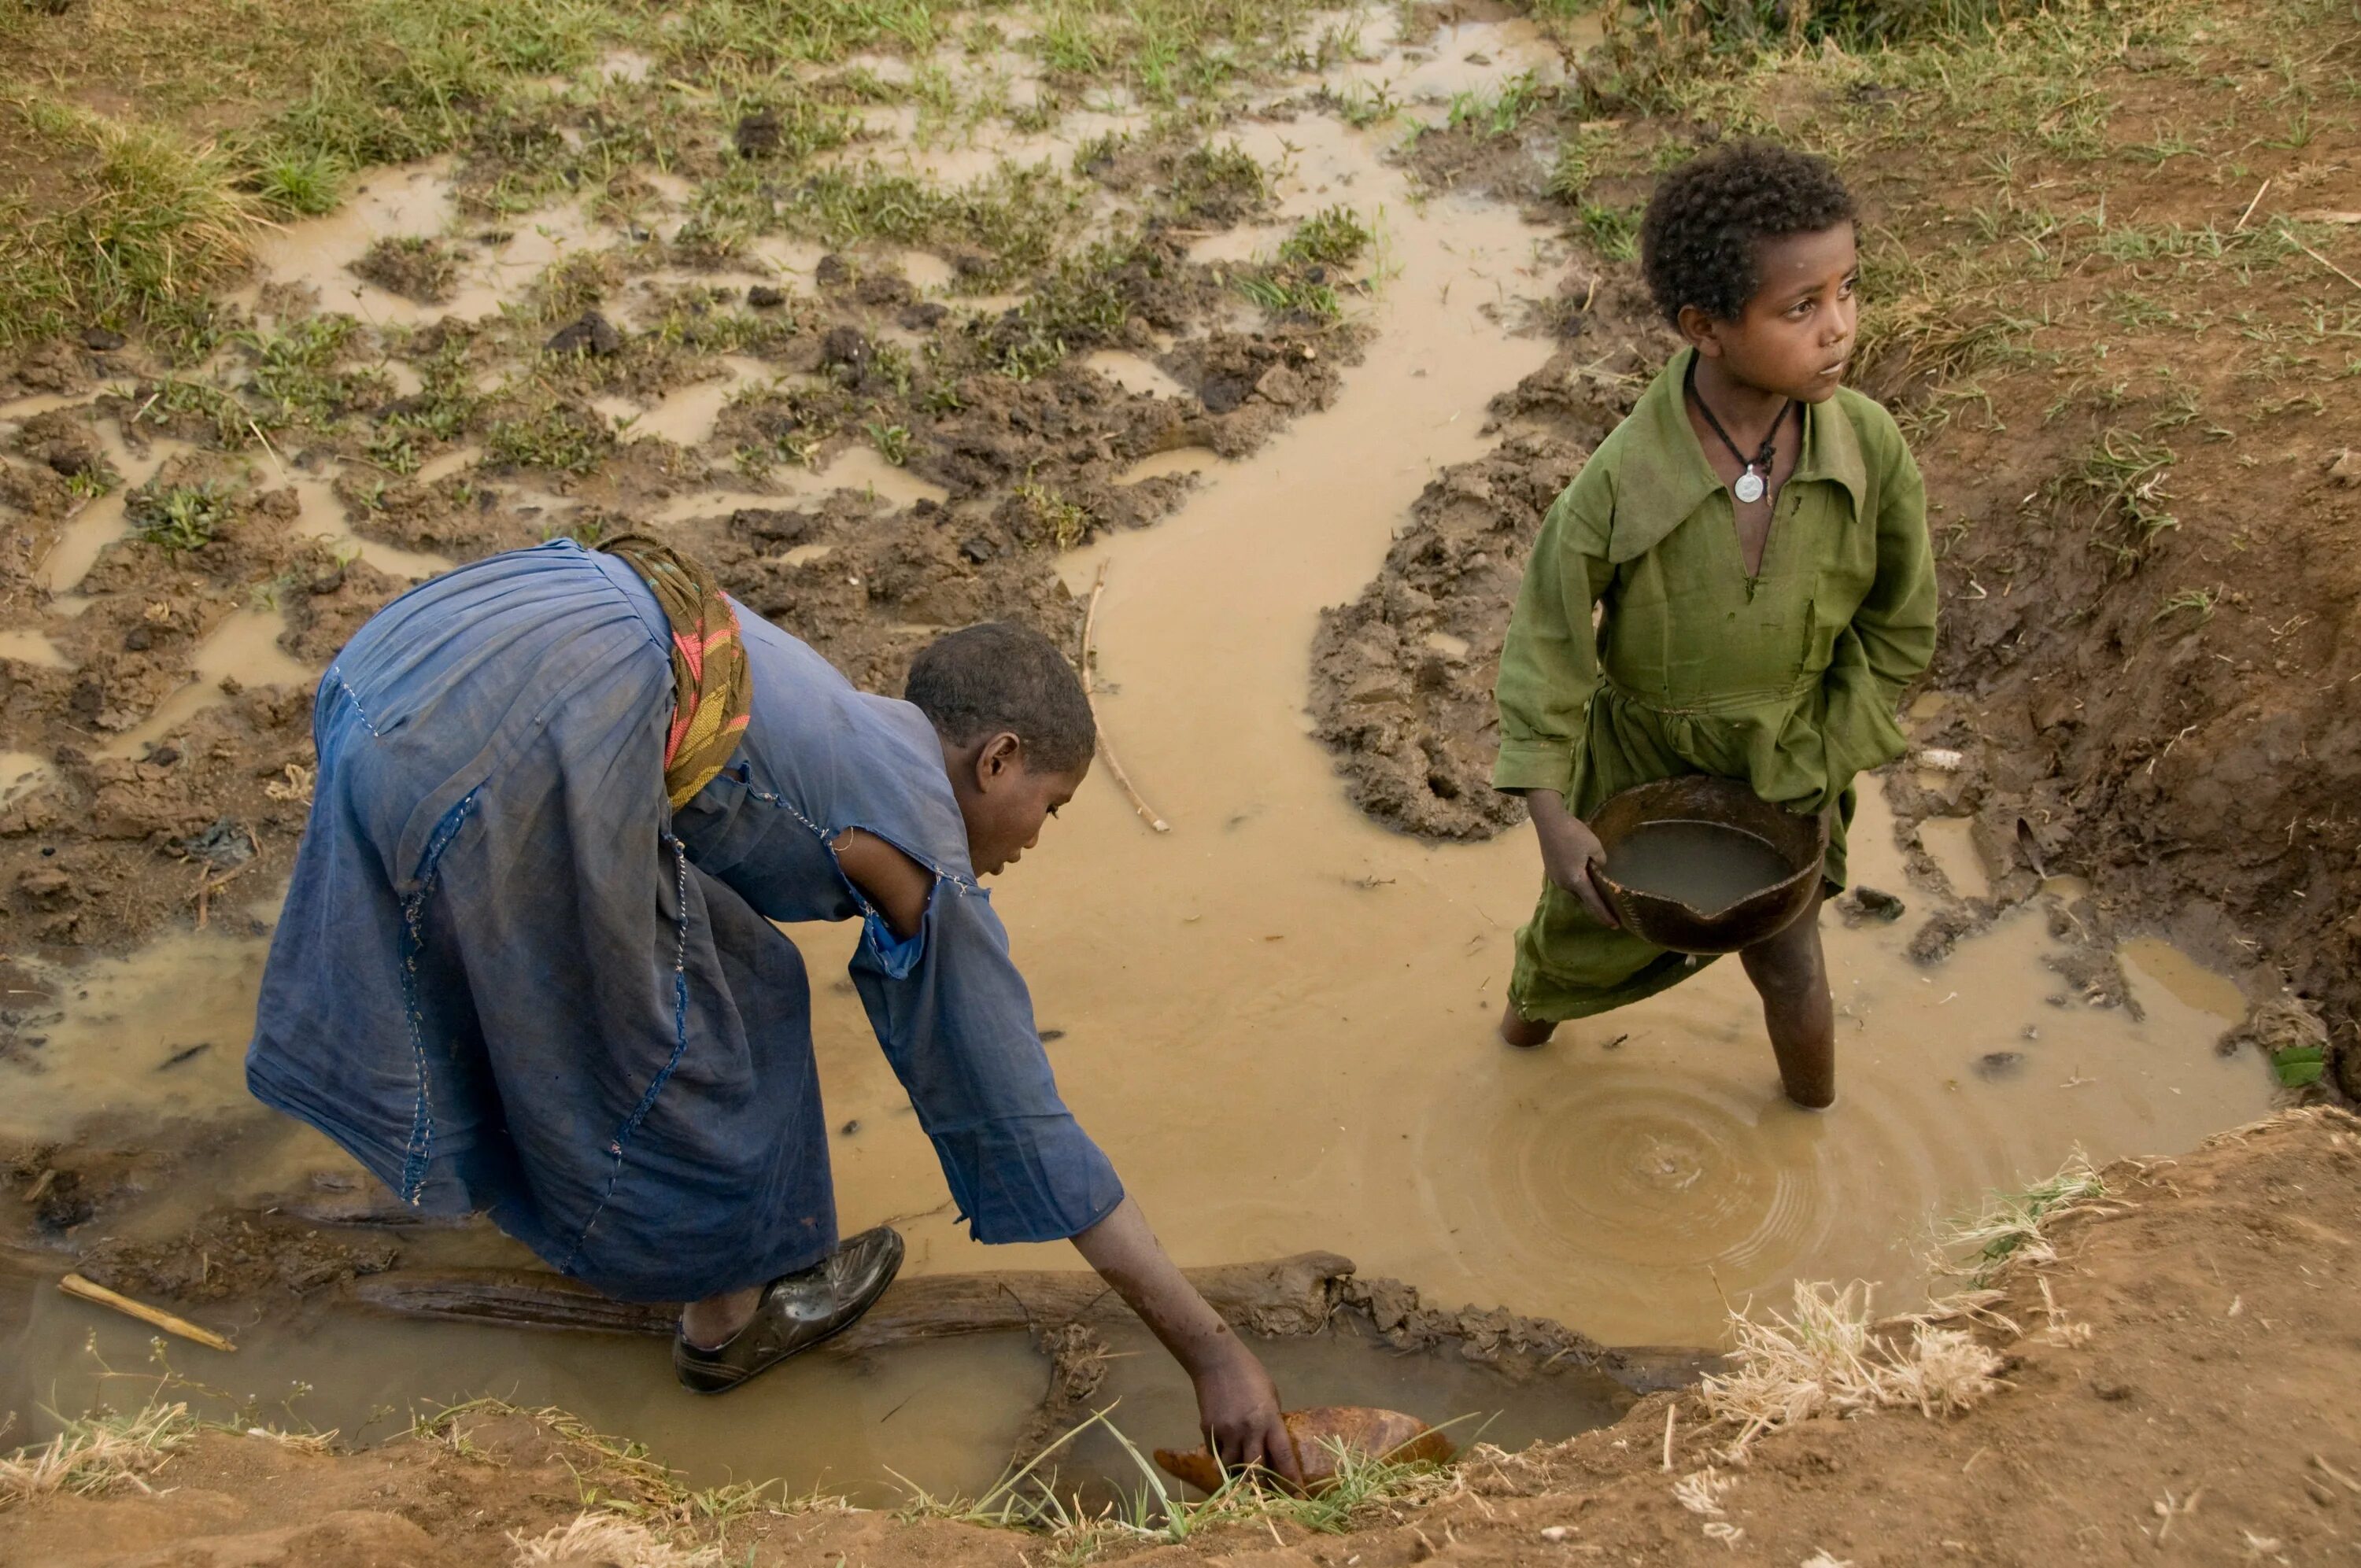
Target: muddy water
[101, 522]
[1276, 1018]
[1951, 842]
[1705, 865]
[243, 650]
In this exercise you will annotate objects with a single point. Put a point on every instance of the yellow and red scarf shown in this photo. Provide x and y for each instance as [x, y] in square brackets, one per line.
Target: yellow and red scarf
[713, 686]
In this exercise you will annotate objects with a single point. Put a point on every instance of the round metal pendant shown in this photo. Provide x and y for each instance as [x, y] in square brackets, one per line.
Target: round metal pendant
[1749, 487]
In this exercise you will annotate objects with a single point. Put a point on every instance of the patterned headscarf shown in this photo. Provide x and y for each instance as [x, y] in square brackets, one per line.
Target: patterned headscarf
[713, 686]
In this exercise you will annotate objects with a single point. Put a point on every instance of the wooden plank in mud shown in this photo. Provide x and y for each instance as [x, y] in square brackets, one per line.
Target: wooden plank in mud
[1285, 1296]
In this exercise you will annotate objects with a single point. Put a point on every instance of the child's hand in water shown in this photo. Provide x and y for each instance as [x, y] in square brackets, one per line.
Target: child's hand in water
[1237, 1409]
[1568, 851]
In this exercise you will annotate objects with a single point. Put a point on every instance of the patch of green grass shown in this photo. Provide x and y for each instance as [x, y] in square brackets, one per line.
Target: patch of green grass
[1501, 113]
[300, 182]
[2125, 472]
[158, 220]
[1065, 524]
[1612, 233]
[180, 397]
[892, 441]
[1282, 294]
[1578, 161]
[1332, 237]
[1149, 1513]
[407, 79]
[1079, 304]
[1168, 52]
[295, 370]
[1362, 104]
[1017, 217]
[1222, 183]
[550, 434]
[2199, 602]
[179, 518]
[571, 285]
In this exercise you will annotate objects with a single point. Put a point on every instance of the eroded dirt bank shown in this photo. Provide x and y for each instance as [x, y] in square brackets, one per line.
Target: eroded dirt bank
[2173, 1389]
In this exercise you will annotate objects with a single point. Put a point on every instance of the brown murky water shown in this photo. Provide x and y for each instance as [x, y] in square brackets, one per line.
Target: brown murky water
[1276, 1018]
[1707, 865]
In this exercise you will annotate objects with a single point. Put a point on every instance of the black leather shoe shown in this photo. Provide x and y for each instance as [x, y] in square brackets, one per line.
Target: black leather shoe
[796, 1312]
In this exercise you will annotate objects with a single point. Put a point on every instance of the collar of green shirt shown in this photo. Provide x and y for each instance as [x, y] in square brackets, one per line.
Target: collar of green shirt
[1662, 477]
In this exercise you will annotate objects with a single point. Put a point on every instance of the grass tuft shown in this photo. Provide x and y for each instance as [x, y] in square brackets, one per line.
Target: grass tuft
[1826, 1358]
[97, 1453]
[2011, 1225]
[610, 1541]
[160, 222]
[179, 518]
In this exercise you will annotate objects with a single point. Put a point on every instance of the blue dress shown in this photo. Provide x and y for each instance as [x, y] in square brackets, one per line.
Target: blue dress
[508, 979]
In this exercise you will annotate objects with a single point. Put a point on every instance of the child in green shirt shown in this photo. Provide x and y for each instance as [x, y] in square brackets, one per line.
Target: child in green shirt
[1738, 583]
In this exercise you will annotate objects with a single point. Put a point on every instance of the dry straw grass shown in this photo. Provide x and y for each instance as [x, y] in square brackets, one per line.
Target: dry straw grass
[607, 1541]
[1831, 1356]
[1827, 1357]
[96, 1455]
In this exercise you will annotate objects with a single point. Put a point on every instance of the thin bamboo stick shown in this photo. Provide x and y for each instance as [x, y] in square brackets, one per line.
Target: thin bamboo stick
[74, 1285]
[1090, 695]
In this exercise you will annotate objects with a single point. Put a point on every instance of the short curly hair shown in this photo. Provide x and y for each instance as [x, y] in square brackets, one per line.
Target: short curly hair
[1699, 239]
[1003, 677]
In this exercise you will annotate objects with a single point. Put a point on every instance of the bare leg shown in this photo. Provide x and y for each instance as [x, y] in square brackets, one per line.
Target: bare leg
[1519, 1030]
[1791, 975]
[715, 1322]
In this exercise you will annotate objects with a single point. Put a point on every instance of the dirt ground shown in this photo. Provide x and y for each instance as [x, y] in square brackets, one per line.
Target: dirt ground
[2174, 1387]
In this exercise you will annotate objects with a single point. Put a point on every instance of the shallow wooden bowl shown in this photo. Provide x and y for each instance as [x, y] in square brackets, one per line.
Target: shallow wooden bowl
[1800, 840]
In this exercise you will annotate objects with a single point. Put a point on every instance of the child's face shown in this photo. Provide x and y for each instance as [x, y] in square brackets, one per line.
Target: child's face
[1795, 334]
[1005, 803]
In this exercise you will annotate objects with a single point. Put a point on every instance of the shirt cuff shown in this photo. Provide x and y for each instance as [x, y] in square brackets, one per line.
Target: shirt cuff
[1534, 764]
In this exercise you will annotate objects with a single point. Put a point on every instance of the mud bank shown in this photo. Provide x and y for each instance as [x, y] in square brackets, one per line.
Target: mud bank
[2173, 1384]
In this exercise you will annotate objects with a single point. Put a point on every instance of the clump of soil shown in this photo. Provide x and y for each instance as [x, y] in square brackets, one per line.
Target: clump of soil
[1402, 678]
[417, 267]
[234, 1258]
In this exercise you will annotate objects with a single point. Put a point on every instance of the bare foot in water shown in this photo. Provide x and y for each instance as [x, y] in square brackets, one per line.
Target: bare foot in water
[1523, 1032]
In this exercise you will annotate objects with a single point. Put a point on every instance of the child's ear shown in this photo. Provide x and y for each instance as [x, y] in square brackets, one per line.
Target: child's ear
[1701, 330]
[997, 756]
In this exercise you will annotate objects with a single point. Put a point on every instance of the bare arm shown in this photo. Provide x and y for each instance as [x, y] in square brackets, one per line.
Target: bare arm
[1568, 848]
[1236, 1403]
[889, 879]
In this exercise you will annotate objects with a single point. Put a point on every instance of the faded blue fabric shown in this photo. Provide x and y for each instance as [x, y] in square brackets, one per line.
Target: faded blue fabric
[507, 978]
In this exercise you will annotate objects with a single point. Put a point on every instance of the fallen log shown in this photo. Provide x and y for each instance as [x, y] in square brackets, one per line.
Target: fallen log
[1289, 1296]
[1284, 1297]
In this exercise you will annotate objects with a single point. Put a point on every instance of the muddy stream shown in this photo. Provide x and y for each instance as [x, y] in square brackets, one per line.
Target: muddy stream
[1276, 1018]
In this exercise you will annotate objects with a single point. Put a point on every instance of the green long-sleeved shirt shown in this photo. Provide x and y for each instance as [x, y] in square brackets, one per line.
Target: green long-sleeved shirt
[1788, 680]
[1839, 619]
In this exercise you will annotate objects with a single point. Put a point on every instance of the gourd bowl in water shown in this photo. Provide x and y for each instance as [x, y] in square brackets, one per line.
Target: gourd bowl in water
[1797, 842]
[1322, 1436]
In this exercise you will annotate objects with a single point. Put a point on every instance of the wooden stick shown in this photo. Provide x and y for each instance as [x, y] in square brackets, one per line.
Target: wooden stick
[1090, 628]
[2299, 244]
[74, 1285]
[2250, 207]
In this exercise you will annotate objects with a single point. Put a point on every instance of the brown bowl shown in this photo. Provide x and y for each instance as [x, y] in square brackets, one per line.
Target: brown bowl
[1322, 1436]
[1801, 842]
